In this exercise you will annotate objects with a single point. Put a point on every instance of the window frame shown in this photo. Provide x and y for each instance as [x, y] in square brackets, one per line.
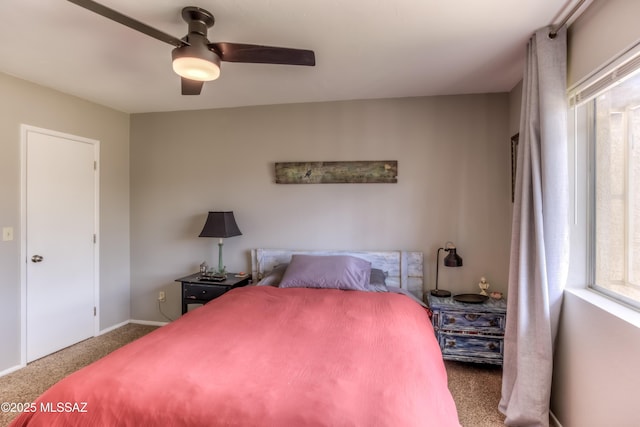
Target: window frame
[584, 92]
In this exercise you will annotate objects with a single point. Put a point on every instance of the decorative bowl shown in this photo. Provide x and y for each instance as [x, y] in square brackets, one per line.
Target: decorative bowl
[496, 295]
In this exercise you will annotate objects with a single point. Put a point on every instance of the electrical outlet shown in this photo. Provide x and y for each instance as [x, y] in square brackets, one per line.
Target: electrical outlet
[161, 296]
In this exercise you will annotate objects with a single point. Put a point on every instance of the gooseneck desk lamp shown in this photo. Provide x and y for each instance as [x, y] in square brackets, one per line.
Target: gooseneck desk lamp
[220, 225]
[451, 260]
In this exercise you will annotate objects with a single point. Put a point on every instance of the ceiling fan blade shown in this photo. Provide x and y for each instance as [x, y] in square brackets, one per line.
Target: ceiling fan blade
[129, 22]
[191, 87]
[237, 52]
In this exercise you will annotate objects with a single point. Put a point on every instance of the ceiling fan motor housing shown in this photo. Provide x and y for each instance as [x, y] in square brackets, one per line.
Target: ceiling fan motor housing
[199, 20]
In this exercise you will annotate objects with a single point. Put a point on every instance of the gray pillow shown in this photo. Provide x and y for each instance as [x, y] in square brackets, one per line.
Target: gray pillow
[327, 272]
[274, 277]
[377, 282]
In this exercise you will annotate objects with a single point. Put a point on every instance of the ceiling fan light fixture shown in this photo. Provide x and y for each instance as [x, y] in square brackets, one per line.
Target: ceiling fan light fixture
[196, 64]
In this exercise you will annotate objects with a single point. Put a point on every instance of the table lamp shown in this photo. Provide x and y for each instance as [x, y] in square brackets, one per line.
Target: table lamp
[220, 225]
[451, 260]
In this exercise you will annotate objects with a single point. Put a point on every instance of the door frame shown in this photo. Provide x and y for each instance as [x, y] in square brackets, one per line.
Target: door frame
[24, 131]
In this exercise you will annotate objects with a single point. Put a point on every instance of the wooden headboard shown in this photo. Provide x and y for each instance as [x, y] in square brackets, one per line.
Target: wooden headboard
[403, 268]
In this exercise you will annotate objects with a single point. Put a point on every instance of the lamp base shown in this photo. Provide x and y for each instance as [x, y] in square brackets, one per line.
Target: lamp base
[440, 293]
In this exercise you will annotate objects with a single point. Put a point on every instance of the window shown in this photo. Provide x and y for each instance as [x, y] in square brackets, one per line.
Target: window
[607, 111]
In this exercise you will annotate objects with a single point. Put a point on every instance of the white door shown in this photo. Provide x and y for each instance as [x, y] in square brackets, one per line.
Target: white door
[60, 224]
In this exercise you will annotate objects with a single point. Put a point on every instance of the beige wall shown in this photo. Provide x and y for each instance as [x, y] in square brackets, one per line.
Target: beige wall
[606, 29]
[453, 184]
[25, 103]
[515, 105]
[596, 371]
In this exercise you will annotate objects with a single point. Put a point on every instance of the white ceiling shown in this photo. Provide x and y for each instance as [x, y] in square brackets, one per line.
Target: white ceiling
[364, 49]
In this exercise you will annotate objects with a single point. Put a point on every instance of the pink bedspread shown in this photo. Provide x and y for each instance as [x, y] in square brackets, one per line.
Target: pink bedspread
[263, 356]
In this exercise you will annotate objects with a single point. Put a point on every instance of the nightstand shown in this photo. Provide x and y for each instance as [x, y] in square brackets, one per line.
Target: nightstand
[469, 332]
[197, 291]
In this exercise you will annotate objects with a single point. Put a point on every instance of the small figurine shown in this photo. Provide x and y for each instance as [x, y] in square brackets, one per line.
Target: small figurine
[483, 285]
[203, 268]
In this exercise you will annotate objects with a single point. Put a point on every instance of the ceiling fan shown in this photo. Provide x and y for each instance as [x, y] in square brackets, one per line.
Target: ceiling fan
[197, 60]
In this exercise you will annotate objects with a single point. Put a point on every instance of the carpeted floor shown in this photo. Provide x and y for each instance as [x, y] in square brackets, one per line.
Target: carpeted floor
[476, 391]
[475, 388]
[30, 382]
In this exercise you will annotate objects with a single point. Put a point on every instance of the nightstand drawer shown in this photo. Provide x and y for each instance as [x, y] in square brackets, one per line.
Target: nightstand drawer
[203, 292]
[471, 346]
[472, 321]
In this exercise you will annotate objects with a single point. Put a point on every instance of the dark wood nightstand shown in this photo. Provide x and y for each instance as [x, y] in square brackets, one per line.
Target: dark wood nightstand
[469, 332]
[197, 291]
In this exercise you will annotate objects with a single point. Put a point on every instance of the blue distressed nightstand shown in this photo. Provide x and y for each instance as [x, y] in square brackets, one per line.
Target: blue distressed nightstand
[469, 332]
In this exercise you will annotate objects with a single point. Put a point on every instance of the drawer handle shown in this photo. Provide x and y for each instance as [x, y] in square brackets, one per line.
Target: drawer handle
[450, 343]
[492, 346]
[471, 317]
[451, 320]
[493, 322]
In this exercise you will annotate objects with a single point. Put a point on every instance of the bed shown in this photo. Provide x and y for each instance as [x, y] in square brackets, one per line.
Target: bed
[276, 354]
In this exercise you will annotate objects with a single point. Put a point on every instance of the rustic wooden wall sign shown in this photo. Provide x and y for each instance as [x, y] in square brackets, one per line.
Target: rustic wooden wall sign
[379, 171]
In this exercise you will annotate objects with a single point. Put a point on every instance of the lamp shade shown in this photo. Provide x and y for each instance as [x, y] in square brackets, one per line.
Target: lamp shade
[452, 259]
[220, 224]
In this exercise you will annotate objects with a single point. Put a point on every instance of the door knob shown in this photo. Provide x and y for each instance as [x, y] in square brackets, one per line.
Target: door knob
[37, 258]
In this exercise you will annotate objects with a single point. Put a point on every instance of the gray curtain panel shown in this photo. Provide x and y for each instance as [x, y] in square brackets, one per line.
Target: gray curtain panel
[540, 234]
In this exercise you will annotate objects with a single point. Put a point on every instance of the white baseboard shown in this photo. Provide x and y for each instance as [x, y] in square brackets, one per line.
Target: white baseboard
[114, 327]
[102, 332]
[138, 322]
[148, 322]
[553, 420]
[10, 370]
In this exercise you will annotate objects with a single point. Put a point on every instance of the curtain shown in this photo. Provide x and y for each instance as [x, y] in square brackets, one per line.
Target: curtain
[539, 256]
